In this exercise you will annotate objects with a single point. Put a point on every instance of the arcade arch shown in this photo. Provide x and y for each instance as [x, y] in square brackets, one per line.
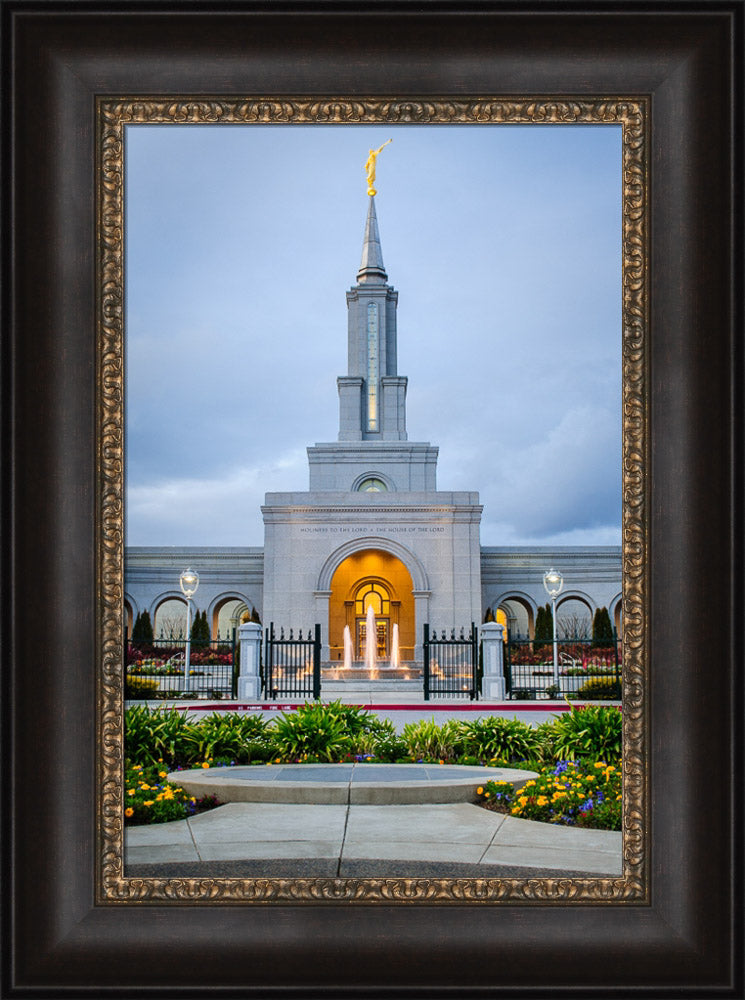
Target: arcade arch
[169, 618]
[227, 613]
[519, 616]
[128, 616]
[574, 617]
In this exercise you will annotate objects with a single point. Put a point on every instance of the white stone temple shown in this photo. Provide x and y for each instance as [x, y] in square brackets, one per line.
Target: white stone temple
[373, 530]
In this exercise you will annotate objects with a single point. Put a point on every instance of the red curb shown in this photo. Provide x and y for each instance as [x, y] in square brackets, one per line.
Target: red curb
[418, 707]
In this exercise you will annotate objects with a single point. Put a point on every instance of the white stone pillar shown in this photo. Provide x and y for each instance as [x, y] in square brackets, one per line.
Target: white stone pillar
[249, 680]
[421, 617]
[322, 617]
[492, 637]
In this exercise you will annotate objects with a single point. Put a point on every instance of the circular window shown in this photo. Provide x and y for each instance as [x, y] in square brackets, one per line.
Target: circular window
[372, 485]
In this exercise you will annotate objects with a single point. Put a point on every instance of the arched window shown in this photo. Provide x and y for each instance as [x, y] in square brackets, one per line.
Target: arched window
[373, 594]
[372, 485]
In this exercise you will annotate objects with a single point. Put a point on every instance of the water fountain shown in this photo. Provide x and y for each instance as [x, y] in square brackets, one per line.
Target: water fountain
[371, 643]
[348, 651]
[395, 655]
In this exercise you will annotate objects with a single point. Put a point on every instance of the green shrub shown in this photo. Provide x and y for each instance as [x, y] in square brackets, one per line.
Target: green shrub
[602, 630]
[140, 687]
[389, 747]
[504, 739]
[425, 740]
[200, 630]
[544, 626]
[598, 689]
[155, 735]
[241, 738]
[592, 731]
[142, 630]
[314, 730]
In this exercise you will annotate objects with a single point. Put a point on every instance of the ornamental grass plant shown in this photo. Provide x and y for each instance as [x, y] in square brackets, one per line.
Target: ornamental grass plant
[425, 740]
[506, 740]
[589, 732]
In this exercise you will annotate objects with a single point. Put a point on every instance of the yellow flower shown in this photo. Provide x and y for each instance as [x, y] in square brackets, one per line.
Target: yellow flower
[148, 803]
[487, 794]
[130, 791]
[598, 764]
[528, 784]
[206, 764]
[542, 800]
[162, 774]
[442, 762]
[522, 800]
[480, 790]
[129, 812]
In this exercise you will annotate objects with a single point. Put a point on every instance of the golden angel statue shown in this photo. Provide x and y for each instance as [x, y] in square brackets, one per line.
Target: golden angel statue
[370, 167]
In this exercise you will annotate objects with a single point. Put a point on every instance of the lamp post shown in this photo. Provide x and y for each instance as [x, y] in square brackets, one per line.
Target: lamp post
[553, 581]
[189, 581]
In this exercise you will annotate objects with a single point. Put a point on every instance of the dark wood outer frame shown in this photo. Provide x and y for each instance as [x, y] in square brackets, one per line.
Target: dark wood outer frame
[61, 57]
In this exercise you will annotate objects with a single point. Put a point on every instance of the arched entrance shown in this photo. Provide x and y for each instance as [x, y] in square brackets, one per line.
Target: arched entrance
[378, 579]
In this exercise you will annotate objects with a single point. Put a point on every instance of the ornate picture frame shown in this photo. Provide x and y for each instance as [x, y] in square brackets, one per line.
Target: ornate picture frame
[113, 116]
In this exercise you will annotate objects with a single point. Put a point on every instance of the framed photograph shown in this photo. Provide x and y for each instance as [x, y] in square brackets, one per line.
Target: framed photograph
[503, 304]
[669, 921]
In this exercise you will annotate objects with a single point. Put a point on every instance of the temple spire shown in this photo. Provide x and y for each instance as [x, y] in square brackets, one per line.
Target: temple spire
[372, 269]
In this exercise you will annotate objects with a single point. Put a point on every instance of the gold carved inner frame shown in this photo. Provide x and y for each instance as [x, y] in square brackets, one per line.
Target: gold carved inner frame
[112, 115]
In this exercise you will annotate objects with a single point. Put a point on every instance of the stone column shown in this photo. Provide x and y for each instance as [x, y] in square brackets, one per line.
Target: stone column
[322, 617]
[421, 617]
[492, 637]
[249, 680]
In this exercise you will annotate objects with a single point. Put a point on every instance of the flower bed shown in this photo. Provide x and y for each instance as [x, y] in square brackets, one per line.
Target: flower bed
[149, 798]
[586, 794]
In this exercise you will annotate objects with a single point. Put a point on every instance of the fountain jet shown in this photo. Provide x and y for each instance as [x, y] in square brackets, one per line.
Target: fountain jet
[371, 643]
[395, 656]
[347, 648]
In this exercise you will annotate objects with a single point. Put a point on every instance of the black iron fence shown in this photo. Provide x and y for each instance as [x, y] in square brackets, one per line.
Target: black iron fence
[583, 669]
[451, 664]
[291, 664]
[156, 669]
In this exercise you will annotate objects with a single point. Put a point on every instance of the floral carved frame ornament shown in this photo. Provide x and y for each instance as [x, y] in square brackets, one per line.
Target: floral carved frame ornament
[112, 117]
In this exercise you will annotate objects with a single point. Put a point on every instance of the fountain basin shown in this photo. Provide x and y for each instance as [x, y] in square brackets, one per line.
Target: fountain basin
[335, 784]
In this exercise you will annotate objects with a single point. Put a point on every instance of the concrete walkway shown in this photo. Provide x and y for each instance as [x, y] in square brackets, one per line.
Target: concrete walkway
[280, 839]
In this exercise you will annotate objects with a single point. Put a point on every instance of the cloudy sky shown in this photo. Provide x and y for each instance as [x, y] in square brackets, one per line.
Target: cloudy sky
[504, 243]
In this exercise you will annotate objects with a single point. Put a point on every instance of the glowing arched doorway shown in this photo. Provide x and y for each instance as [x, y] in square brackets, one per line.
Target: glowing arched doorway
[377, 579]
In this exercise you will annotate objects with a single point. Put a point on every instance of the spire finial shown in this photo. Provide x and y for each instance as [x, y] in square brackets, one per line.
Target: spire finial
[370, 167]
[371, 268]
